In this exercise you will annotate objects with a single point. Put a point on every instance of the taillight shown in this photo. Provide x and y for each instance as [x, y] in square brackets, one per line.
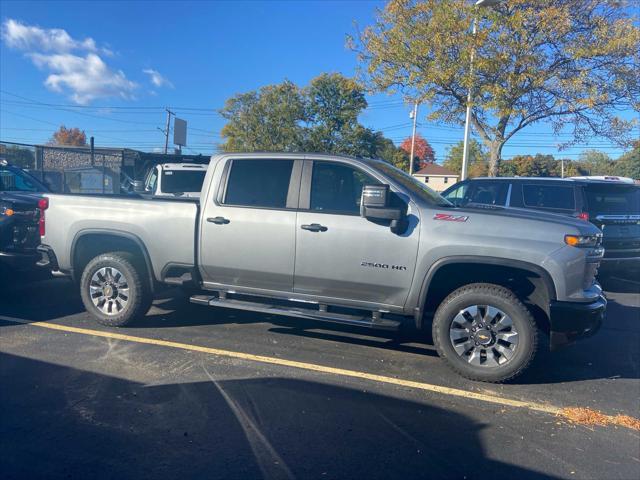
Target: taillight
[584, 216]
[43, 204]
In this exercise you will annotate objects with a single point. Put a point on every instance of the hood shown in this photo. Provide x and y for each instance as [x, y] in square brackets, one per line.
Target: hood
[526, 214]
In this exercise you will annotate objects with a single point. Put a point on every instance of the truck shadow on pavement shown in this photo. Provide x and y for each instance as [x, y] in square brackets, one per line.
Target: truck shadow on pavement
[89, 425]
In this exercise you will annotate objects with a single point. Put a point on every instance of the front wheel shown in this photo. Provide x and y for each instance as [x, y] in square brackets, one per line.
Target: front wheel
[113, 290]
[484, 332]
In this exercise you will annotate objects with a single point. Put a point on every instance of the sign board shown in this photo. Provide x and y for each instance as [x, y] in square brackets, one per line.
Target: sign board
[179, 132]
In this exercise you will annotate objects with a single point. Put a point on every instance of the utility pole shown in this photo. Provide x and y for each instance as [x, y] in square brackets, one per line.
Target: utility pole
[467, 120]
[413, 115]
[562, 168]
[166, 131]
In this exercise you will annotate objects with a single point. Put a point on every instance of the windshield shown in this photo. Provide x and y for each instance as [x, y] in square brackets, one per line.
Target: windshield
[181, 181]
[413, 185]
[15, 180]
[613, 200]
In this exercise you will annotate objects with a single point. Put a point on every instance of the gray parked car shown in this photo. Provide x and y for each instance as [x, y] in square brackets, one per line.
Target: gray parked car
[343, 240]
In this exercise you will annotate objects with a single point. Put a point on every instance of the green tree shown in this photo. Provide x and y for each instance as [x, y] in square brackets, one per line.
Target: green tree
[323, 117]
[270, 119]
[595, 162]
[572, 63]
[477, 159]
[628, 165]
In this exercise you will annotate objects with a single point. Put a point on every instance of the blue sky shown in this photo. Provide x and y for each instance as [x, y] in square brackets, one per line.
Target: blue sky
[190, 56]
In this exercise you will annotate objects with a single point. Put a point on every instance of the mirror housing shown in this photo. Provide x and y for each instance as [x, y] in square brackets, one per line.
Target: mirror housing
[374, 205]
[138, 186]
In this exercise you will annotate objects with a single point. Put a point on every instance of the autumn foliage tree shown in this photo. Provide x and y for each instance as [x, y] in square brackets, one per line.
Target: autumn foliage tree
[69, 136]
[422, 151]
[571, 63]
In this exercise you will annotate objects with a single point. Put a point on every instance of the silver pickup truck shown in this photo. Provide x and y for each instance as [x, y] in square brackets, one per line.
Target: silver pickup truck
[344, 240]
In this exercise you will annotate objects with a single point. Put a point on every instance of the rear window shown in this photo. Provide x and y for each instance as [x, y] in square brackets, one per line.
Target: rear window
[558, 197]
[609, 199]
[180, 181]
[259, 183]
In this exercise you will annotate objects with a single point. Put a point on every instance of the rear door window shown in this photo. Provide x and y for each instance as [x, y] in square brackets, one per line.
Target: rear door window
[551, 197]
[259, 183]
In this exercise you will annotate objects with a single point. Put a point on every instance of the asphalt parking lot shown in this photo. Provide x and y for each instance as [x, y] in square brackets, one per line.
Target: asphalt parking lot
[197, 392]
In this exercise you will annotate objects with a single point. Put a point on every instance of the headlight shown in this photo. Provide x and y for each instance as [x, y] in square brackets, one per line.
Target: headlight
[583, 241]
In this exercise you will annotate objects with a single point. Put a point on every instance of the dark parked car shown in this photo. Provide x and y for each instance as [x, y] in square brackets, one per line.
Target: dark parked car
[21, 217]
[613, 206]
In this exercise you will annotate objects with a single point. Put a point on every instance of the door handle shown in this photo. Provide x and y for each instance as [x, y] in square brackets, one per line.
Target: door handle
[218, 220]
[314, 227]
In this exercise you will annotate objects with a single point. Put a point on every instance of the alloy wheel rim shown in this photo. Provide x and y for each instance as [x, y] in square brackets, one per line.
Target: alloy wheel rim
[109, 290]
[484, 336]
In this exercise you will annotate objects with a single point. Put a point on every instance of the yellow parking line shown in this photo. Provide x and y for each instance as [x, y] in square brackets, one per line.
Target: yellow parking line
[535, 406]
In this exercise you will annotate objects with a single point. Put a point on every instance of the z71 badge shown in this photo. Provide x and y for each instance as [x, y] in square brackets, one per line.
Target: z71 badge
[450, 218]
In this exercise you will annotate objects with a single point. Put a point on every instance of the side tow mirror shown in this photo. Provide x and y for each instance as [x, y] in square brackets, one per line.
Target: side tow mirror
[138, 186]
[374, 205]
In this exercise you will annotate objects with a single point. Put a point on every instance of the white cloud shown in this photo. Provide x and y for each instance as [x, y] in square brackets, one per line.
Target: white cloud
[73, 66]
[157, 79]
[31, 38]
[86, 78]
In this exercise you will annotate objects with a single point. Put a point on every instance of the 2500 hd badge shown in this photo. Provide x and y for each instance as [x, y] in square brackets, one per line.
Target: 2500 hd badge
[383, 265]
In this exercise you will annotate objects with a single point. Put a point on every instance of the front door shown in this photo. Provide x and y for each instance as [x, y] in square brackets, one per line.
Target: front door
[340, 254]
[248, 232]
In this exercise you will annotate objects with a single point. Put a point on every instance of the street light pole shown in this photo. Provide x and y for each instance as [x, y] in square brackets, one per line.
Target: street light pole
[413, 115]
[467, 120]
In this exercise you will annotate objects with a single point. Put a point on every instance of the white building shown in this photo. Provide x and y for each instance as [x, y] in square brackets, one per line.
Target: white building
[437, 177]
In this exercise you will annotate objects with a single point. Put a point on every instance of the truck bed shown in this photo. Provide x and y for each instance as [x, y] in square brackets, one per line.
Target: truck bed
[166, 227]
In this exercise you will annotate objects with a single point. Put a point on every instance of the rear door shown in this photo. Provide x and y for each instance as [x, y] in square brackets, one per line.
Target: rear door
[347, 256]
[248, 229]
[553, 196]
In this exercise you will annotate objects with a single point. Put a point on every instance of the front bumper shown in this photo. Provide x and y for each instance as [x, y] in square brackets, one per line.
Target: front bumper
[572, 320]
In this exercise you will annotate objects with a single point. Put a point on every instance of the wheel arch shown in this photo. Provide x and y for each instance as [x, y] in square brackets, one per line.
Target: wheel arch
[89, 243]
[496, 269]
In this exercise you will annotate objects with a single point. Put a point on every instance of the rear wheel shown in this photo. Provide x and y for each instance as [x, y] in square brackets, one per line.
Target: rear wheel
[113, 290]
[484, 332]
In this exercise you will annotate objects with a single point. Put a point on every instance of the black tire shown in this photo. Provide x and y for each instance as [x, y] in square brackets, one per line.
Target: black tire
[485, 294]
[139, 296]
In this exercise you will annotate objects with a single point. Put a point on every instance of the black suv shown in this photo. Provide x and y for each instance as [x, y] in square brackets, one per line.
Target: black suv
[21, 210]
[613, 206]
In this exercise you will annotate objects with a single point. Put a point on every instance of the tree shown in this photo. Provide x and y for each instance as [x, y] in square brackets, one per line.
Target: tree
[69, 136]
[422, 151]
[333, 103]
[477, 159]
[628, 165]
[572, 63]
[269, 119]
[323, 117]
[19, 156]
[595, 162]
[531, 166]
